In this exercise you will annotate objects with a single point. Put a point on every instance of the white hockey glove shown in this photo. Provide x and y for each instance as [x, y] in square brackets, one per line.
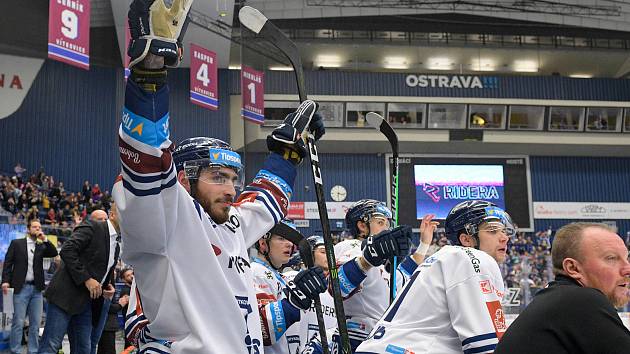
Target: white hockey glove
[157, 29]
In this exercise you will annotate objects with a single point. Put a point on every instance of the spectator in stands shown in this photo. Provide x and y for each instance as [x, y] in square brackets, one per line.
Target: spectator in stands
[96, 193]
[576, 312]
[85, 274]
[19, 170]
[24, 272]
[107, 344]
[86, 191]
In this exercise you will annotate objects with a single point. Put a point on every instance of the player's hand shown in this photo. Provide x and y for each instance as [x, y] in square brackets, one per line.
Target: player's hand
[286, 138]
[316, 127]
[427, 228]
[306, 286]
[108, 291]
[123, 301]
[5, 288]
[158, 30]
[387, 244]
[94, 287]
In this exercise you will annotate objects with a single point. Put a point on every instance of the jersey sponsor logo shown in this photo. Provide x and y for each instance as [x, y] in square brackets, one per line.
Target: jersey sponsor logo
[485, 286]
[394, 349]
[268, 274]
[497, 316]
[131, 155]
[239, 263]
[217, 250]
[473, 260]
[326, 310]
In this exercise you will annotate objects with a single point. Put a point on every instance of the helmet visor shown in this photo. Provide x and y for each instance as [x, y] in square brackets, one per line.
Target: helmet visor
[209, 173]
[498, 218]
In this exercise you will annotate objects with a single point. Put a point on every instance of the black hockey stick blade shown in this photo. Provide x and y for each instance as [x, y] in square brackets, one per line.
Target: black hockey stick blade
[297, 239]
[378, 122]
[306, 253]
[258, 23]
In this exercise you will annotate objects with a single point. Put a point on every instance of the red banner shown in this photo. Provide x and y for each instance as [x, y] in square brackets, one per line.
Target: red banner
[203, 77]
[253, 92]
[69, 32]
[296, 211]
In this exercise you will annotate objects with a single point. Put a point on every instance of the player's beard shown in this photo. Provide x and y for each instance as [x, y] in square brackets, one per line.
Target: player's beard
[216, 209]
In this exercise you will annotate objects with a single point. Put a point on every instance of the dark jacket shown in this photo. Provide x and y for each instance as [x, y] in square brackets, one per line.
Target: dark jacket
[16, 263]
[567, 318]
[84, 255]
[114, 309]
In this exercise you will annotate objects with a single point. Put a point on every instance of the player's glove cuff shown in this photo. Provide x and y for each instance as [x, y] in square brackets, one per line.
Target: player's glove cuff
[157, 29]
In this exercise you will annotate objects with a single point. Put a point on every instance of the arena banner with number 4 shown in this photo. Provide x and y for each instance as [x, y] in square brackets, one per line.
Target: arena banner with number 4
[203, 77]
[253, 92]
[69, 32]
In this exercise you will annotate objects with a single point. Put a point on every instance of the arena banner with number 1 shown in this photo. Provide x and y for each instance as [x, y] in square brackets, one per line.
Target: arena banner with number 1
[69, 32]
[203, 77]
[253, 92]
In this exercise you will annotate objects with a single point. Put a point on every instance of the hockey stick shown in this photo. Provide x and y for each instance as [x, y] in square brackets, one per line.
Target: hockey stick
[255, 21]
[378, 122]
[306, 253]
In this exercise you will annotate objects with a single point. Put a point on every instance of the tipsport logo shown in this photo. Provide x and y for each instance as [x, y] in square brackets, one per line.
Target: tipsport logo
[225, 157]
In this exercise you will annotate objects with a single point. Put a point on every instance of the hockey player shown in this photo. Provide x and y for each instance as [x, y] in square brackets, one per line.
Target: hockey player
[452, 303]
[184, 232]
[278, 302]
[309, 327]
[363, 278]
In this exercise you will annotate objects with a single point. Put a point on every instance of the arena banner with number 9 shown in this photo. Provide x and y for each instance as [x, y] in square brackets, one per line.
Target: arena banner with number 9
[203, 77]
[253, 92]
[69, 32]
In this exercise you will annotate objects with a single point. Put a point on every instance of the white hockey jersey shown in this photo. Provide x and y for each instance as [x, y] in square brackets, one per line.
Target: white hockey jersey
[269, 285]
[452, 304]
[366, 302]
[194, 275]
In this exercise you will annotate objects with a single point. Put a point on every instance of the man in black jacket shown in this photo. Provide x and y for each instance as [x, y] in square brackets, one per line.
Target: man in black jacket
[89, 257]
[576, 313]
[24, 272]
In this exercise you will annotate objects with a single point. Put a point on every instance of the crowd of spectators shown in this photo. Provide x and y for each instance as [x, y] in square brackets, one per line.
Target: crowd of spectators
[40, 196]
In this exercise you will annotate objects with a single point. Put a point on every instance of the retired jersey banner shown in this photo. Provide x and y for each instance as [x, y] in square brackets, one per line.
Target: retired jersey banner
[69, 32]
[203, 77]
[253, 92]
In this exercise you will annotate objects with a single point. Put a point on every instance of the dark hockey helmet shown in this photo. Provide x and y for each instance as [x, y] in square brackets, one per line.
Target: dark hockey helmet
[194, 154]
[267, 237]
[466, 217]
[364, 210]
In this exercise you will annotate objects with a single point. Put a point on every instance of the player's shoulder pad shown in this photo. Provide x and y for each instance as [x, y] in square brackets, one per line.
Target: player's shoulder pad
[348, 249]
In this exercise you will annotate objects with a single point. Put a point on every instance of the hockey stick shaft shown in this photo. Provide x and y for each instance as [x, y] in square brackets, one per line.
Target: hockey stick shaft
[378, 122]
[306, 253]
[258, 23]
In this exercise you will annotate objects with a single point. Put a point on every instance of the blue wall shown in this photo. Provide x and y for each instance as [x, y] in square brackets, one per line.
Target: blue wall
[388, 84]
[69, 119]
